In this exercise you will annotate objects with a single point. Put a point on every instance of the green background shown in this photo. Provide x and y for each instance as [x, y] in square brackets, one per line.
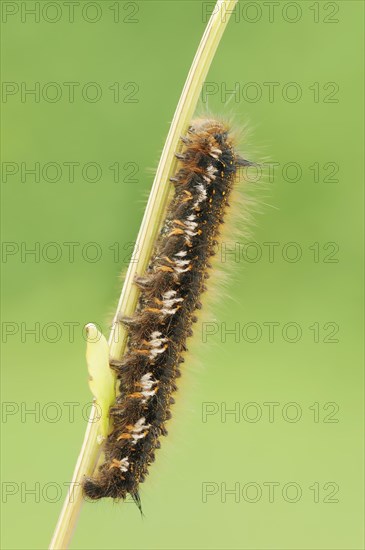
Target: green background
[155, 52]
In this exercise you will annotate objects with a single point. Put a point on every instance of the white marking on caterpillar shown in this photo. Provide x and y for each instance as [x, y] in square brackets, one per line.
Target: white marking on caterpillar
[169, 294]
[124, 464]
[180, 270]
[191, 225]
[168, 311]
[211, 170]
[202, 193]
[169, 303]
[156, 343]
[147, 394]
[140, 430]
[147, 384]
[140, 425]
[153, 353]
[181, 254]
[146, 381]
[214, 152]
[168, 300]
[181, 263]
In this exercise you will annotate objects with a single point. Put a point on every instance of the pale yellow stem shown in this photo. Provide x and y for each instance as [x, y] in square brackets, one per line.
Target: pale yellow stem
[151, 222]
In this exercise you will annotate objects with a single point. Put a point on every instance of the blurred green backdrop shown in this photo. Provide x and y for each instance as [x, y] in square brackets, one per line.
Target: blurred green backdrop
[106, 77]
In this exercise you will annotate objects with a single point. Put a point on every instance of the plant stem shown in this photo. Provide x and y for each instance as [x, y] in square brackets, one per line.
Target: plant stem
[90, 451]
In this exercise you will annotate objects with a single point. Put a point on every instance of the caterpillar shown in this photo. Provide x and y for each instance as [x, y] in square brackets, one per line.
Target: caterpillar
[170, 293]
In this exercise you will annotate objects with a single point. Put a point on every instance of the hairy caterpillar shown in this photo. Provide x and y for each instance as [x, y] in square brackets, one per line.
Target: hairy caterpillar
[170, 294]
